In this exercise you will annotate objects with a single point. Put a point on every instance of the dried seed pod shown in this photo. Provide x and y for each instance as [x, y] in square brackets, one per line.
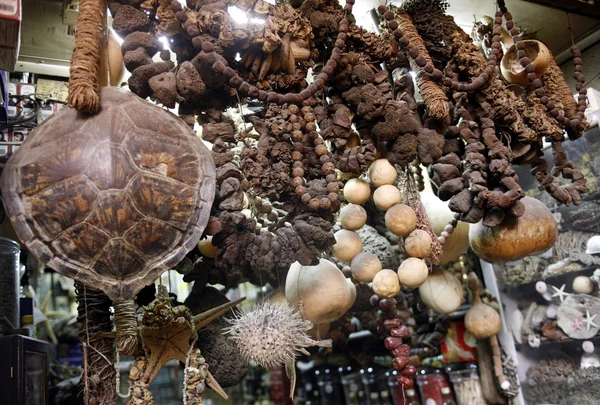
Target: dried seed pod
[401, 220]
[418, 244]
[386, 283]
[357, 191]
[382, 172]
[353, 217]
[365, 266]
[413, 272]
[348, 245]
[387, 196]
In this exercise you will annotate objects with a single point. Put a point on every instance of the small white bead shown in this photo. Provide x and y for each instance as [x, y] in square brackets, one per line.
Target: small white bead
[444, 235]
[441, 239]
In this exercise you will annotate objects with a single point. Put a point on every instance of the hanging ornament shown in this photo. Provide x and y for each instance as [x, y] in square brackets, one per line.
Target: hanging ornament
[168, 333]
[273, 334]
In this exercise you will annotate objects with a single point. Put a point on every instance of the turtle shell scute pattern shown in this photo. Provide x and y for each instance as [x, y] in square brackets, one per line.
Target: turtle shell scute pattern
[114, 199]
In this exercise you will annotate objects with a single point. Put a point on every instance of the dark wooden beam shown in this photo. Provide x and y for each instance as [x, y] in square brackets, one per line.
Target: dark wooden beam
[571, 6]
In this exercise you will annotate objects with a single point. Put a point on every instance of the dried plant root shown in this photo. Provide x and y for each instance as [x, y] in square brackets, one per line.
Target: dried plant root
[85, 62]
[497, 356]
[434, 97]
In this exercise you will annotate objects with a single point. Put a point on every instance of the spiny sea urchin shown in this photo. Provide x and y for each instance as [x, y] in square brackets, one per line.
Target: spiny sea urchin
[272, 334]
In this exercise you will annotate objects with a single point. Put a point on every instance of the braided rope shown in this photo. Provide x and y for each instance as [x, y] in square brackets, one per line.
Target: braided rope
[85, 62]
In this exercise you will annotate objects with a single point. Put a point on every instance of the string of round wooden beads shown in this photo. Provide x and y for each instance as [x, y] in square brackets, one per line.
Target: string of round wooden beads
[536, 82]
[246, 88]
[449, 229]
[327, 167]
[436, 74]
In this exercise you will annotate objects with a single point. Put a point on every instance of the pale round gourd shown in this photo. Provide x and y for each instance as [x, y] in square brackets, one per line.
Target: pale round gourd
[583, 285]
[401, 220]
[357, 191]
[365, 266]
[382, 172]
[531, 234]
[386, 284]
[418, 244]
[387, 196]
[442, 292]
[481, 320]
[440, 215]
[353, 217]
[323, 290]
[206, 248]
[347, 245]
[413, 272]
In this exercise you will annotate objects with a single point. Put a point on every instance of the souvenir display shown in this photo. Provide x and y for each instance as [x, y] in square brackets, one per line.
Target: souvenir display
[303, 202]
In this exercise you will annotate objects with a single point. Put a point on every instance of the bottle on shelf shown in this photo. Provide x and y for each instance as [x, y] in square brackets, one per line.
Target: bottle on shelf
[411, 398]
[447, 396]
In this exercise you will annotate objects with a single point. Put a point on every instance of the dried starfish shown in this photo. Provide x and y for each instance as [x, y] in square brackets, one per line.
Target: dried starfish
[168, 333]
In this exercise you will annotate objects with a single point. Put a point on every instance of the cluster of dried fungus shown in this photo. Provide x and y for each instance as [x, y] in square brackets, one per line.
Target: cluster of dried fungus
[279, 176]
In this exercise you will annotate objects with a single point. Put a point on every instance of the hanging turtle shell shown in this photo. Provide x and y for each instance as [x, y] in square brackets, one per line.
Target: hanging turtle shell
[114, 199]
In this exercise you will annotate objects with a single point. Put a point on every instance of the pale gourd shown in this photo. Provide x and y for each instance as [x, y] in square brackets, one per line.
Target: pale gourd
[401, 220]
[365, 266]
[481, 320]
[387, 196]
[357, 191]
[439, 216]
[382, 172]
[442, 292]
[513, 71]
[323, 290]
[353, 217]
[386, 284]
[347, 245]
[413, 272]
[531, 234]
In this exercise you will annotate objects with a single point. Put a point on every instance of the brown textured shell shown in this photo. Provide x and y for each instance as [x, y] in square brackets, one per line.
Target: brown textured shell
[111, 200]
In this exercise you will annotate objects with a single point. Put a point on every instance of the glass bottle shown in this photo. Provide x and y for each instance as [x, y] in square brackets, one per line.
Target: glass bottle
[447, 396]
[411, 398]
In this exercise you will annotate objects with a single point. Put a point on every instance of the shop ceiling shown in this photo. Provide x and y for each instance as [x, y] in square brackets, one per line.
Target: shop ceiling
[46, 42]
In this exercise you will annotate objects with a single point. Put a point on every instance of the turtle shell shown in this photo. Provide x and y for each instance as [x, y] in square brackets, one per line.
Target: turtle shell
[114, 199]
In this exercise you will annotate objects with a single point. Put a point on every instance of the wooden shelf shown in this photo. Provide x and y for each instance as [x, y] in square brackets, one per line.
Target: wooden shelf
[571, 6]
[569, 345]
[528, 290]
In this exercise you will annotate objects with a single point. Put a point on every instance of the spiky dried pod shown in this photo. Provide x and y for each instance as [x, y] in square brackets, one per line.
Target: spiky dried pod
[271, 334]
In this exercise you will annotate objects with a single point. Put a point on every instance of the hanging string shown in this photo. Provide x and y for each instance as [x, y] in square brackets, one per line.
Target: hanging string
[126, 327]
[570, 29]
[86, 386]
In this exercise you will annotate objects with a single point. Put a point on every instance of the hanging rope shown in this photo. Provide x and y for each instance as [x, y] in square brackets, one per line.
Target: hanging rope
[94, 317]
[85, 62]
[126, 326]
